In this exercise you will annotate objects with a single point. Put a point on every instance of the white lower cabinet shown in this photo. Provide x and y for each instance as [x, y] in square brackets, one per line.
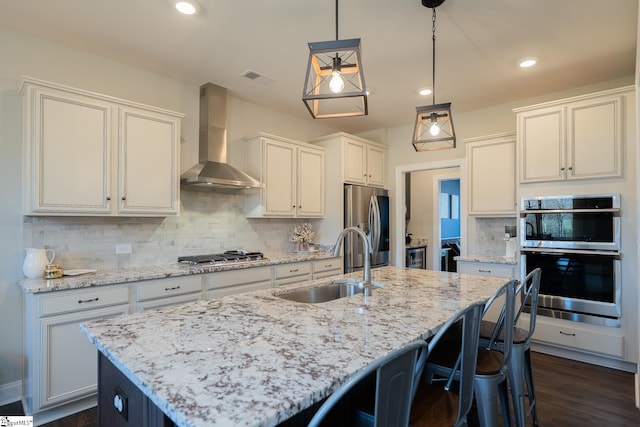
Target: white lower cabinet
[295, 272]
[60, 372]
[232, 282]
[494, 269]
[61, 364]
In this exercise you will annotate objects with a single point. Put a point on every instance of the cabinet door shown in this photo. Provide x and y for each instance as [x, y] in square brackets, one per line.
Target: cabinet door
[148, 163]
[375, 166]
[492, 178]
[594, 132]
[67, 153]
[69, 361]
[310, 183]
[355, 159]
[541, 140]
[279, 195]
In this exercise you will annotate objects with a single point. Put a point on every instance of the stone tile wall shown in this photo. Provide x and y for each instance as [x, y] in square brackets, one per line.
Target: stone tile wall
[490, 235]
[209, 222]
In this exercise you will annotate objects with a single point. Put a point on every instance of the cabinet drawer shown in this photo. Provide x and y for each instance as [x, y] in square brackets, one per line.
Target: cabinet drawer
[223, 279]
[164, 288]
[293, 269]
[592, 339]
[165, 302]
[79, 300]
[296, 272]
[487, 269]
[238, 289]
[329, 264]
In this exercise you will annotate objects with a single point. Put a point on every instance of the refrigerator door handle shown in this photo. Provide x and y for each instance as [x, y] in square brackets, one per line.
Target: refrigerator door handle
[374, 224]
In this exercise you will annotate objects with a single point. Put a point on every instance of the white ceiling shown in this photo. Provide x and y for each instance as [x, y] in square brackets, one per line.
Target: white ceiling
[479, 45]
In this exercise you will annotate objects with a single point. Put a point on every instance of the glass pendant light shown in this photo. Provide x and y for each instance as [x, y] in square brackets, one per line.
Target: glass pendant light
[334, 85]
[433, 128]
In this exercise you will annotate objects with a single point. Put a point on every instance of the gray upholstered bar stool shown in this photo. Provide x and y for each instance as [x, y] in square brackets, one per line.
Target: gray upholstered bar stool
[520, 369]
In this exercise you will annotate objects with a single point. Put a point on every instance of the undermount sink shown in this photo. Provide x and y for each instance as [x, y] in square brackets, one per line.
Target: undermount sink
[329, 291]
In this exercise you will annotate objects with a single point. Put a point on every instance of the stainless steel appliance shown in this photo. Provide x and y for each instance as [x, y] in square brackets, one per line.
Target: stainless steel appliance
[571, 222]
[227, 257]
[368, 209]
[416, 257]
[575, 240]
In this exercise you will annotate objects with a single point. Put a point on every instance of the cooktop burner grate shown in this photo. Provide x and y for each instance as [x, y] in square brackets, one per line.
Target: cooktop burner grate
[223, 258]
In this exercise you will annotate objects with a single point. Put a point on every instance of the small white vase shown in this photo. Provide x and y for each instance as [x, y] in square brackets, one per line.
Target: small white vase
[35, 261]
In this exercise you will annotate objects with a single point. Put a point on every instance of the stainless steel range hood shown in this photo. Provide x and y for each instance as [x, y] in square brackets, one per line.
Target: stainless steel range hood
[213, 169]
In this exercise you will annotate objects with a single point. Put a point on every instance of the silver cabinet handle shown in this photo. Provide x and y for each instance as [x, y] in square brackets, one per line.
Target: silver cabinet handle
[80, 301]
[294, 271]
[172, 289]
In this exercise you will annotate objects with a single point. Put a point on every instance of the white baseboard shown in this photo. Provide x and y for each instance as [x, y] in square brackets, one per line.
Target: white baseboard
[10, 392]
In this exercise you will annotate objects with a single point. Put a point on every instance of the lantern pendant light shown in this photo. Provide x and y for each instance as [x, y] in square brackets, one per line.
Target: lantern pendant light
[434, 125]
[334, 85]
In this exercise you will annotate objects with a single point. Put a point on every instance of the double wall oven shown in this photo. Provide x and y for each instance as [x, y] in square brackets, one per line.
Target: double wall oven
[575, 240]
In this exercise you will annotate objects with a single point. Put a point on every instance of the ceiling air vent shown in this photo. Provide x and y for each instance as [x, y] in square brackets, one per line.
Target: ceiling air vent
[257, 77]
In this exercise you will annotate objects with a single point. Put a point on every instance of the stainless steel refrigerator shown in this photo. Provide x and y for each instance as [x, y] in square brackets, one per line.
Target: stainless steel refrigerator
[368, 209]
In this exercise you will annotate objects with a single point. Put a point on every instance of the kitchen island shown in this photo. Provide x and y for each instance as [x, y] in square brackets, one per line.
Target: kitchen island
[256, 359]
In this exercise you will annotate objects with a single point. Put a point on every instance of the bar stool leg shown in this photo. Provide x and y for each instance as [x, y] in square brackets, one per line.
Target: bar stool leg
[528, 372]
[516, 378]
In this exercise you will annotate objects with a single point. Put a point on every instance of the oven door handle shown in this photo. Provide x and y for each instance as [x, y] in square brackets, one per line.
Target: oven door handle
[613, 254]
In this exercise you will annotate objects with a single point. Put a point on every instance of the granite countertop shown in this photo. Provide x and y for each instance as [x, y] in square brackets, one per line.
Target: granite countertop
[495, 259]
[255, 359]
[134, 274]
[417, 243]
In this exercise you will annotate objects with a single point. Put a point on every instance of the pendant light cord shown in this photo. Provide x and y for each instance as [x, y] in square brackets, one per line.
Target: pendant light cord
[337, 20]
[433, 39]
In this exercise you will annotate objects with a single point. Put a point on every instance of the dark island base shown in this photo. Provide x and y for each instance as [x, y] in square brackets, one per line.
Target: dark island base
[121, 403]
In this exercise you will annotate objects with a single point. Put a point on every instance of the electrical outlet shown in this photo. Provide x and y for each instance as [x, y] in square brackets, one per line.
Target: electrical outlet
[124, 248]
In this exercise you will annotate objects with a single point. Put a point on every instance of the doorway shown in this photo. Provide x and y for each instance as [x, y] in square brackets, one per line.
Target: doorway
[448, 216]
[432, 206]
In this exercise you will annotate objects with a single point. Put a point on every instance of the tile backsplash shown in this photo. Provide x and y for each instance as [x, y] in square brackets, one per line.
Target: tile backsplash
[209, 222]
[490, 235]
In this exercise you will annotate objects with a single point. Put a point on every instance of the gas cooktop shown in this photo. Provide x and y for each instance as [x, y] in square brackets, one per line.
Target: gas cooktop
[223, 258]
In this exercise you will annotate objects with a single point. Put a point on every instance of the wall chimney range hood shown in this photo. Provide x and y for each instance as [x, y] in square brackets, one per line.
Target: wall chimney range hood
[213, 170]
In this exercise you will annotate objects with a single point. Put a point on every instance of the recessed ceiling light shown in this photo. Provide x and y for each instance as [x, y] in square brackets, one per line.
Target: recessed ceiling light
[186, 7]
[529, 62]
[424, 91]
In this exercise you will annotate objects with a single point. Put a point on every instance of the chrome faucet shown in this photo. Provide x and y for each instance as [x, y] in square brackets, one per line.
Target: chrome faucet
[366, 280]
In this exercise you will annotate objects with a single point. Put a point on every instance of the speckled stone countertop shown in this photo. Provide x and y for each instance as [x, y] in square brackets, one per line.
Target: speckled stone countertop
[416, 243]
[255, 359]
[134, 274]
[496, 259]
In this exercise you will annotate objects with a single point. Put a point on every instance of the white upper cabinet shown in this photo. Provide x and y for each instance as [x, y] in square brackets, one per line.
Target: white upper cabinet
[89, 154]
[364, 162]
[492, 175]
[293, 176]
[577, 138]
[148, 147]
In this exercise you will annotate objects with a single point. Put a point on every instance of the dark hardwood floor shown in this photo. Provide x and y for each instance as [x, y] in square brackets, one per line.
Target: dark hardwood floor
[569, 394]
